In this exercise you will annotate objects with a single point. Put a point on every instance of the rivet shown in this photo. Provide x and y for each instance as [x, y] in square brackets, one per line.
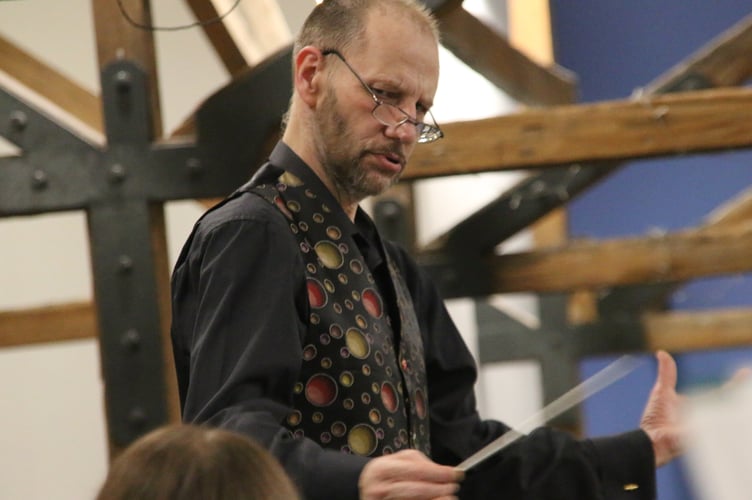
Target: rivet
[194, 166]
[39, 180]
[538, 187]
[131, 340]
[125, 264]
[18, 120]
[117, 173]
[123, 80]
[515, 201]
[137, 417]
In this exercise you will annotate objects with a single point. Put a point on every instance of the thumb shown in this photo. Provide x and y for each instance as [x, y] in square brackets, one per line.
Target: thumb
[667, 373]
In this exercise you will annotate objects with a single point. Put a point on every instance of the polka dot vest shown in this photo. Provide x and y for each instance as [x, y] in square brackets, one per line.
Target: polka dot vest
[357, 392]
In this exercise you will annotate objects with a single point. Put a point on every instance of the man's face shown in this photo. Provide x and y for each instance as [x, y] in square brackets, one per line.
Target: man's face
[360, 155]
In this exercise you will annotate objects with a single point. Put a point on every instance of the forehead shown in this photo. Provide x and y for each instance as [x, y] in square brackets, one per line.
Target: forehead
[399, 47]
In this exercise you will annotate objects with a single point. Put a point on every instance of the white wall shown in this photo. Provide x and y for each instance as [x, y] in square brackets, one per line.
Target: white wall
[52, 428]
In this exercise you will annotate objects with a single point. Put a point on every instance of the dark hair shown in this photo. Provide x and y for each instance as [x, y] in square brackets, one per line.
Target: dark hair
[189, 462]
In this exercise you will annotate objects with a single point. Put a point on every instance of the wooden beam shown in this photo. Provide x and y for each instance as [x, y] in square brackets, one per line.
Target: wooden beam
[724, 61]
[50, 84]
[219, 36]
[735, 211]
[241, 40]
[698, 330]
[618, 262]
[675, 331]
[491, 55]
[671, 124]
[529, 29]
[708, 64]
[262, 31]
[117, 38]
[252, 32]
[48, 324]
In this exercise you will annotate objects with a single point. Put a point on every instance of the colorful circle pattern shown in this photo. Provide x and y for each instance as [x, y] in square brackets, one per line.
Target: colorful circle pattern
[351, 391]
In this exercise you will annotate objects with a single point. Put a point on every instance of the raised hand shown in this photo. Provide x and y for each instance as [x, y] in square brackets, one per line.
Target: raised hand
[661, 419]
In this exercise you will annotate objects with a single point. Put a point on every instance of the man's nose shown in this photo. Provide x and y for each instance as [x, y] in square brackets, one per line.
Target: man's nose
[406, 132]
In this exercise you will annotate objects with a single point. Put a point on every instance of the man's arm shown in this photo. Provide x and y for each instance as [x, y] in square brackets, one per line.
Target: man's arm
[544, 464]
[239, 306]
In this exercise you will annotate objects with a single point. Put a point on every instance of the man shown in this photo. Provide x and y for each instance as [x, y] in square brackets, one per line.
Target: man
[293, 322]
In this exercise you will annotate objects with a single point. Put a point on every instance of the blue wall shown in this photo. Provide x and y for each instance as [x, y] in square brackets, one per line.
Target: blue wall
[616, 47]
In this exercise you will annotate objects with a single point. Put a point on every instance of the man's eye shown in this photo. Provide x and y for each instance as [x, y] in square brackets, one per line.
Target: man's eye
[385, 94]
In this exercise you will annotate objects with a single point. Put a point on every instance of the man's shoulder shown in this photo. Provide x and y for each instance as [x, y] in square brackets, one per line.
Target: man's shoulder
[241, 221]
[241, 207]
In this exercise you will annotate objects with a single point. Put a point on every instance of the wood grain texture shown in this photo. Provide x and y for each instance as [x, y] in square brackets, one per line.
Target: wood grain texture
[688, 122]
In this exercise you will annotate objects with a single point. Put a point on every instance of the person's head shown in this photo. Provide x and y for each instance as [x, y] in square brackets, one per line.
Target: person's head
[186, 462]
[347, 52]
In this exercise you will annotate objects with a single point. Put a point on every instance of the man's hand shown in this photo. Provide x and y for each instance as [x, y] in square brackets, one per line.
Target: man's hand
[408, 474]
[661, 417]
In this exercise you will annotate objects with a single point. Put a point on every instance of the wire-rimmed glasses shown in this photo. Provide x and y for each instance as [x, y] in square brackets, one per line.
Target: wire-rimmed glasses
[391, 115]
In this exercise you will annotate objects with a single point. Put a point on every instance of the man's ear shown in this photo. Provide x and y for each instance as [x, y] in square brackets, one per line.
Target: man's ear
[308, 73]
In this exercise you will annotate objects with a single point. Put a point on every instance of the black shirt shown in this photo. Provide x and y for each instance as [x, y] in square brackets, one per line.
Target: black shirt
[240, 312]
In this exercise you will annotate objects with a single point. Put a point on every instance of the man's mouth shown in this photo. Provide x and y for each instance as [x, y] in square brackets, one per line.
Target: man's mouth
[395, 159]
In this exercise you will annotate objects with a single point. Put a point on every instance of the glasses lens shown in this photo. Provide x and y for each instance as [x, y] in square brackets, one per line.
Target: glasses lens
[389, 115]
[428, 133]
[392, 116]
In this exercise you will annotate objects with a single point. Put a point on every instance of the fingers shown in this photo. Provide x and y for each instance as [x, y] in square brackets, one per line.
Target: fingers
[417, 466]
[408, 474]
[412, 491]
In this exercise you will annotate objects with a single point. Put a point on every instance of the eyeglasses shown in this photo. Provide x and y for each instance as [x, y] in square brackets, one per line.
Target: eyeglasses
[392, 116]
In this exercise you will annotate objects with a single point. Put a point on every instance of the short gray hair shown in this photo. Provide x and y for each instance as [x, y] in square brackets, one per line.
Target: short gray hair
[339, 24]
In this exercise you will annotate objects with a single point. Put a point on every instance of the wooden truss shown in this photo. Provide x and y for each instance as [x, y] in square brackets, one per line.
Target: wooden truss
[108, 159]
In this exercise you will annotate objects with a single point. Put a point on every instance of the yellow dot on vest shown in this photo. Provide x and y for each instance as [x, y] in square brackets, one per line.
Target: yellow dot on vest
[362, 440]
[290, 179]
[329, 254]
[346, 379]
[357, 343]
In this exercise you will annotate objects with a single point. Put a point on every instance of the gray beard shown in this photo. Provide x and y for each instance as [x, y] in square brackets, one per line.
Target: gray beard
[348, 179]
